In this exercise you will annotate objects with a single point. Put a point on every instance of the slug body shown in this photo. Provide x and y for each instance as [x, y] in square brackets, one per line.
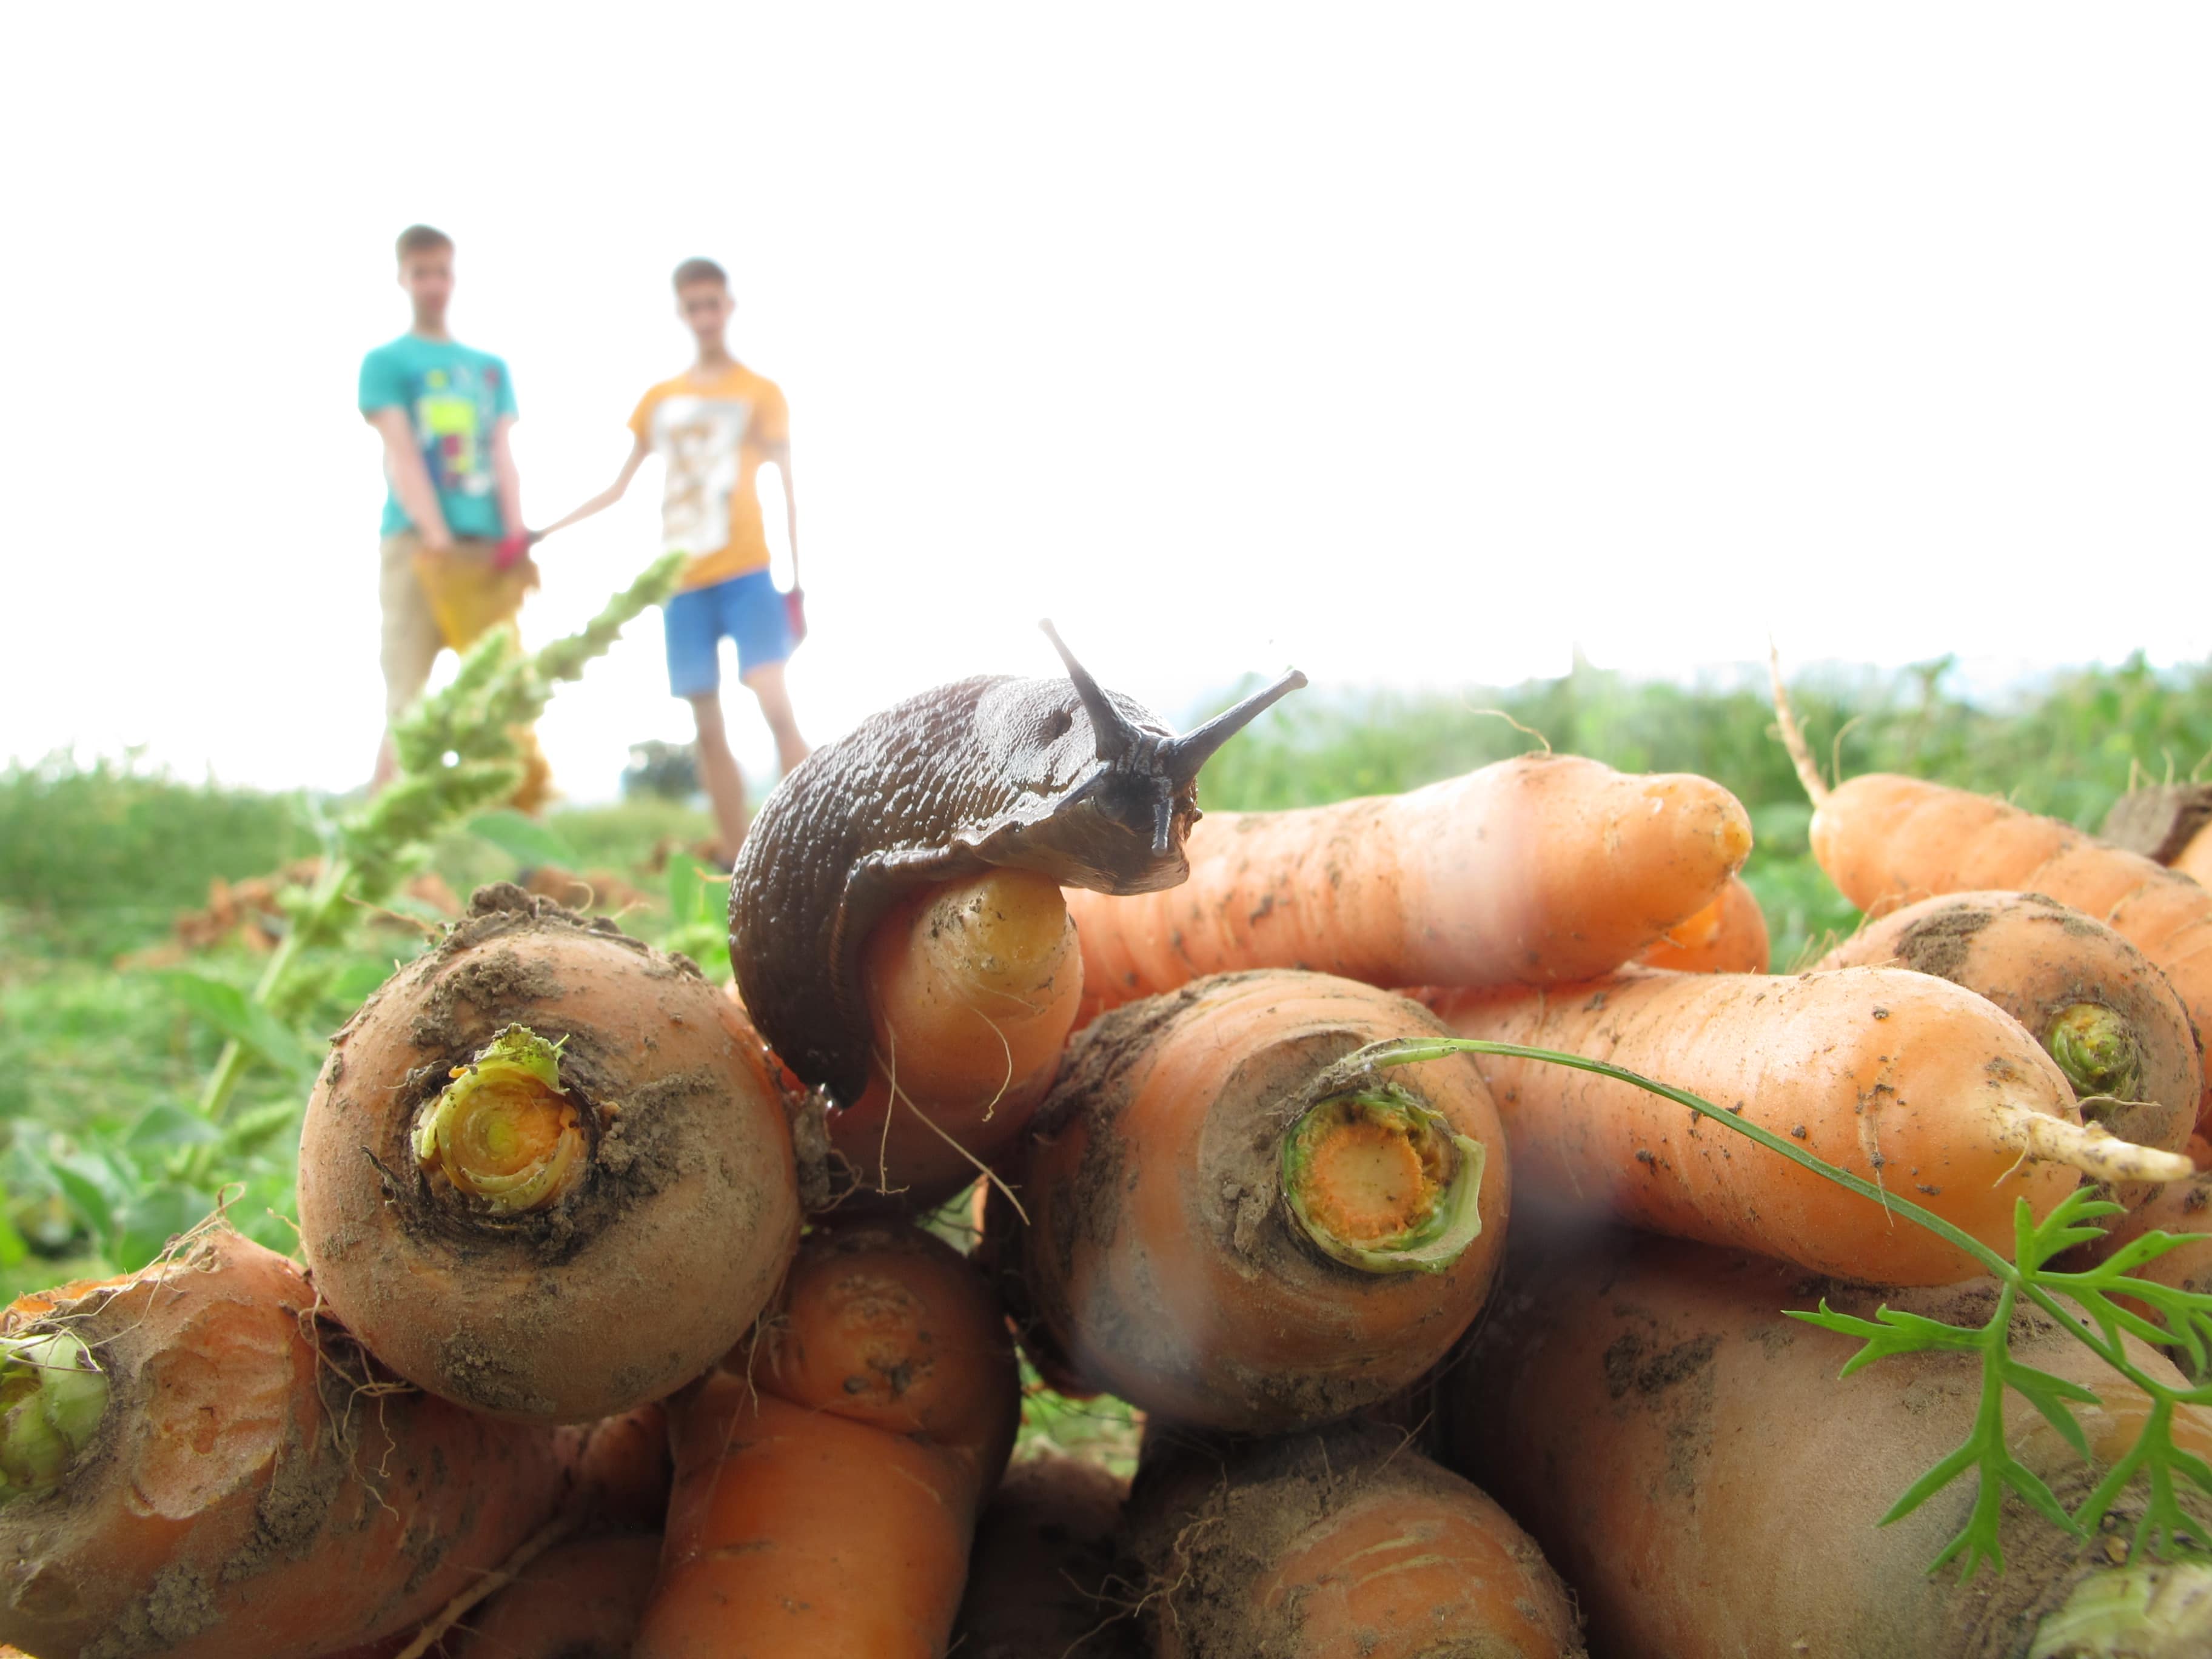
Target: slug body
[1056, 776]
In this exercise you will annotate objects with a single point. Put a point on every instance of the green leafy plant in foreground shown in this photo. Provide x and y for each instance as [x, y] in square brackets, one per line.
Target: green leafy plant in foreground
[457, 752]
[2186, 1319]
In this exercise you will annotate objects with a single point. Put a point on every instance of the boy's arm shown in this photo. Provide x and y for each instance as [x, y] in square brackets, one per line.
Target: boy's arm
[410, 479]
[639, 450]
[779, 453]
[507, 482]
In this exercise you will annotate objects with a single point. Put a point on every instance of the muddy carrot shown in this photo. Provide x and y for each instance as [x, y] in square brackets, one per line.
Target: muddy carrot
[580, 1599]
[235, 1477]
[1547, 867]
[1687, 1457]
[2093, 1000]
[1888, 840]
[972, 987]
[1340, 1542]
[1044, 1579]
[1215, 1236]
[827, 1487]
[547, 1172]
[1900, 1078]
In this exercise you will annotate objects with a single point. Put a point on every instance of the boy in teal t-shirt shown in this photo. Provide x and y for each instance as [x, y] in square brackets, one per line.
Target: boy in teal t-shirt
[454, 397]
[454, 560]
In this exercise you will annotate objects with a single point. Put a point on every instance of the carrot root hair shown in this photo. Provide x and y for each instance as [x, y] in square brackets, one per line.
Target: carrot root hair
[1793, 735]
[2089, 1147]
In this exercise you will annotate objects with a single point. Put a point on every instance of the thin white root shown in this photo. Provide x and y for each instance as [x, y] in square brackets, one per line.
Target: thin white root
[2089, 1147]
[1793, 735]
[497, 1579]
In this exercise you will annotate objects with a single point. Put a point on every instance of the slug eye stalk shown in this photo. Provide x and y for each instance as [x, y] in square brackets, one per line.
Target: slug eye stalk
[1178, 759]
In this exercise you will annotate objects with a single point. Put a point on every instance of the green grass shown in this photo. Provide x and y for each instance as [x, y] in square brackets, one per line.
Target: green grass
[101, 1061]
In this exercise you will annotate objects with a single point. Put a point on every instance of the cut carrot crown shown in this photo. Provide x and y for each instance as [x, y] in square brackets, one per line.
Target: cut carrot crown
[2098, 1052]
[51, 1397]
[1380, 1182]
[504, 1132]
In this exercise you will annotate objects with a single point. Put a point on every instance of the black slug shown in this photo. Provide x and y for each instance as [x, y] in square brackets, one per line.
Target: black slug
[1058, 776]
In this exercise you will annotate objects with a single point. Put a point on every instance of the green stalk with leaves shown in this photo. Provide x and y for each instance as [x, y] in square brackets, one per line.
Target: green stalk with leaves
[456, 754]
[133, 1186]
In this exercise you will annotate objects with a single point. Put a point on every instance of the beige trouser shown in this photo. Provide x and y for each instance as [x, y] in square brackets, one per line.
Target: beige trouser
[432, 601]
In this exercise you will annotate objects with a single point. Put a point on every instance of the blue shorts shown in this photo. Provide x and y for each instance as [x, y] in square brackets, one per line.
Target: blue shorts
[747, 608]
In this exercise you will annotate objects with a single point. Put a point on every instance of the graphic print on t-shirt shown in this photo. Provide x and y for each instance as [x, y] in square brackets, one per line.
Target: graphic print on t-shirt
[699, 438]
[449, 413]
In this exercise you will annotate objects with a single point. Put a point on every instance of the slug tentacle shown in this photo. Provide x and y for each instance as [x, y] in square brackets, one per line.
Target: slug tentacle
[1116, 738]
[990, 771]
[1187, 753]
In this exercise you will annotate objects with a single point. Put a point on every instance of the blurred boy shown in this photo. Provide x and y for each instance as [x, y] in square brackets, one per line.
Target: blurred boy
[715, 425]
[452, 557]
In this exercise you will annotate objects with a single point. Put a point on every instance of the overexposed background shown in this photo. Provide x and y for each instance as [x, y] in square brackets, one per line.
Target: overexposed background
[1410, 344]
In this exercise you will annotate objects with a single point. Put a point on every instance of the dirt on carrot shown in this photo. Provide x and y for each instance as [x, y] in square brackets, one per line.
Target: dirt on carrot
[1211, 1239]
[1044, 1578]
[2095, 1003]
[521, 1142]
[1341, 1542]
[1544, 868]
[1689, 1459]
[250, 1483]
[1903, 1079]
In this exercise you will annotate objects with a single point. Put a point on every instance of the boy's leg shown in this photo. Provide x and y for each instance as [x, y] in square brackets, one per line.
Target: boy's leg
[766, 683]
[718, 770]
[693, 622]
[760, 621]
[410, 642]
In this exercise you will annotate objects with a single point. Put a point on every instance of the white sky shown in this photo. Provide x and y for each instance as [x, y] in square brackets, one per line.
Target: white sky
[1408, 344]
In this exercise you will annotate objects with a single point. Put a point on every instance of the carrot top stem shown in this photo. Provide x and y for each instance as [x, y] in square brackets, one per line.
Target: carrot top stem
[2143, 1608]
[504, 1132]
[52, 1396]
[1381, 1183]
[2097, 1050]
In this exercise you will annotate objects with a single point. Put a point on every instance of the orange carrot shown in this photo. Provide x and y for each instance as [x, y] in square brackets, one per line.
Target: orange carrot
[1688, 1458]
[2093, 1000]
[972, 987]
[518, 1136]
[1341, 1542]
[1218, 1236]
[1043, 1578]
[623, 1470]
[827, 1487]
[236, 1479]
[1547, 867]
[1898, 1076]
[1729, 936]
[581, 1600]
[1887, 841]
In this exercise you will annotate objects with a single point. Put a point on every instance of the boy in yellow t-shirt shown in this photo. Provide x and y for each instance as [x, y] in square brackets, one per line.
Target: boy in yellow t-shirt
[715, 425]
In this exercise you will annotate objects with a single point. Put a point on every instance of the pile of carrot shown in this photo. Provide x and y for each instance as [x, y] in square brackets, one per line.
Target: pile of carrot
[618, 1330]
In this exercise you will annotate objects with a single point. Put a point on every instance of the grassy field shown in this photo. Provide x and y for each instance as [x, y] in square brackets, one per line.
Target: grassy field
[108, 1026]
